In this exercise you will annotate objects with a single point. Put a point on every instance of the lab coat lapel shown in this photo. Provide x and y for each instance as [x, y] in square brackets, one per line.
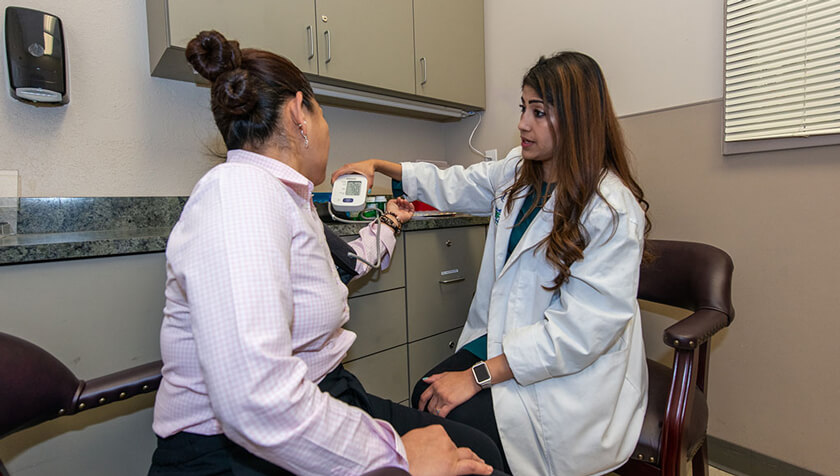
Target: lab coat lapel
[504, 227]
[536, 231]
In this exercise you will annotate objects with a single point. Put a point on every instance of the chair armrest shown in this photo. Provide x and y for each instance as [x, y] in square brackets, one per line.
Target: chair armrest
[119, 386]
[696, 329]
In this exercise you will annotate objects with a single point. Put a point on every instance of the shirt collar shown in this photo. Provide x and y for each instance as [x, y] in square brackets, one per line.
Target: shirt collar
[289, 176]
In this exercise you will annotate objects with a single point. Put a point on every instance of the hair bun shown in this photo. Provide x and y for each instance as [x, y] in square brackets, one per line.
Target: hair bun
[212, 55]
[233, 92]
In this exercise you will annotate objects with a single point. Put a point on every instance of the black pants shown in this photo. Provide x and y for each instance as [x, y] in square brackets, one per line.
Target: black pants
[476, 412]
[199, 455]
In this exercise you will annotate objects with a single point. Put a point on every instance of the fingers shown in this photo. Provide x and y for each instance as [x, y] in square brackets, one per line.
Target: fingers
[466, 453]
[433, 378]
[365, 168]
[469, 466]
[424, 398]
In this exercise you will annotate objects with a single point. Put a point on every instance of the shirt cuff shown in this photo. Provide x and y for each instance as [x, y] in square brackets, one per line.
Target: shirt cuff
[401, 459]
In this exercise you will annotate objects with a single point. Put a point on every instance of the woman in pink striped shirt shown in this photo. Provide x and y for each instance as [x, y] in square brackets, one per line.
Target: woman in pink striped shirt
[252, 337]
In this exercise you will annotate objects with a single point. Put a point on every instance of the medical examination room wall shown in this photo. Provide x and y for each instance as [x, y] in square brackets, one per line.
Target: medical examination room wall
[774, 375]
[125, 133]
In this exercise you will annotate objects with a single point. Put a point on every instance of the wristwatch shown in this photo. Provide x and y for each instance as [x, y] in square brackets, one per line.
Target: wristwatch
[482, 375]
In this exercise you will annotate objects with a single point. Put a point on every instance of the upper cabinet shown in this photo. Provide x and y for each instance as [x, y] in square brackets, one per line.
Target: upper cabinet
[427, 51]
[449, 50]
[274, 25]
[369, 42]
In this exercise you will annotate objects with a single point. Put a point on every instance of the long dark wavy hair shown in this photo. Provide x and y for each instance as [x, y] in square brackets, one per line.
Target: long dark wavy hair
[587, 144]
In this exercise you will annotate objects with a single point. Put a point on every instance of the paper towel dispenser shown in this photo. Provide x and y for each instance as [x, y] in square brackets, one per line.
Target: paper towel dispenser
[35, 57]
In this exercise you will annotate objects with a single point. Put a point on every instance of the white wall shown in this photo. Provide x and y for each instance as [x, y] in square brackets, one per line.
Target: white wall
[125, 133]
[654, 54]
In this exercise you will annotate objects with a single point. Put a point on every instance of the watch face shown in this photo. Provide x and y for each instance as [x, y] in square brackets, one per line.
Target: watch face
[481, 373]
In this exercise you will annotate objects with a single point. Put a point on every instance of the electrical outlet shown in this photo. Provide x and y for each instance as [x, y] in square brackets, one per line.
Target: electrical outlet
[9, 184]
[491, 154]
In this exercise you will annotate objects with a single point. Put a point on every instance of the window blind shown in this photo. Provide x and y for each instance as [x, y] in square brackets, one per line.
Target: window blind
[782, 69]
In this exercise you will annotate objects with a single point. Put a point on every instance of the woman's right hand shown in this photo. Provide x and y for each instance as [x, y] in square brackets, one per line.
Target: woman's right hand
[368, 168]
[431, 452]
[364, 167]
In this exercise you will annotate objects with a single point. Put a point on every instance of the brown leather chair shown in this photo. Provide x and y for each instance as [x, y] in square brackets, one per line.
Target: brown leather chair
[698, 278]
[36, 387]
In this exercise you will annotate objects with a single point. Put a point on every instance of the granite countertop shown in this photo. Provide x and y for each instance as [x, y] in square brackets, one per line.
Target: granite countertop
[51, 229]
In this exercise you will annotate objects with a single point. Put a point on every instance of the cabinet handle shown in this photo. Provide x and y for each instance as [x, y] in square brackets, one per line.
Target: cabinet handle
[452, 280]
[451, 345]
[448, 243]
[329, 50]
[311, 42]
[423, 66]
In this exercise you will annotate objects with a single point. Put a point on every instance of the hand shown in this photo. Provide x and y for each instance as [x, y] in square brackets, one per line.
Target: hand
[447, 391]
[364, 167]
[431, 452]
[402, 208]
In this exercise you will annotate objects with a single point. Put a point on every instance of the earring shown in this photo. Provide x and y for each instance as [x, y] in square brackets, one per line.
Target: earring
[302, 134]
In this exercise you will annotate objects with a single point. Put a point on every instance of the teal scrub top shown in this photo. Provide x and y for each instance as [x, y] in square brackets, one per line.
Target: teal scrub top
[478, 346]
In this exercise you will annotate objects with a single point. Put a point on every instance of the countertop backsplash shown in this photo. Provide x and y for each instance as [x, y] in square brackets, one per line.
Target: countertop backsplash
[74, 214]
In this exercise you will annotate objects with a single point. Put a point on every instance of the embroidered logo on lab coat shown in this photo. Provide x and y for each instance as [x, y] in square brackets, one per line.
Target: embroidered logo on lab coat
[497, 215]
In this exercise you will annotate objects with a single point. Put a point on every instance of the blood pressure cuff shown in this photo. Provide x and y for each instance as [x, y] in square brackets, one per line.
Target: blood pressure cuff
[339, 249]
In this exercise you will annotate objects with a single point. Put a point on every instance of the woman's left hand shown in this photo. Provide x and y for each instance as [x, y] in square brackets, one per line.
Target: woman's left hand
[447, 391]
[402, 208]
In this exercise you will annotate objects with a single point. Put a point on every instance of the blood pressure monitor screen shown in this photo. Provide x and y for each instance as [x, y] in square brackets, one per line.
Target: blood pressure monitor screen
[353, 188]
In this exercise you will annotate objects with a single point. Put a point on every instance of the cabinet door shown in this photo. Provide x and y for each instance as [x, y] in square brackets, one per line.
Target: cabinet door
[378, 321]
[441, 271]
[370, 42]
[285, 27]
[425, 354]
[384, 374]
[449, 48]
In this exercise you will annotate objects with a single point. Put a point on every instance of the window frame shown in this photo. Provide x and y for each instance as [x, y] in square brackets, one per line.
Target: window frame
[768, 144]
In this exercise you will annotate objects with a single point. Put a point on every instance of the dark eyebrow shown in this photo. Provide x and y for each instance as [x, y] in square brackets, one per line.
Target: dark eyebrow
[532, 101]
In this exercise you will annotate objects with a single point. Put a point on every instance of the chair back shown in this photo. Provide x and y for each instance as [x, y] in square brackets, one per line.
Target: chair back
[688, 275]
[34, 385]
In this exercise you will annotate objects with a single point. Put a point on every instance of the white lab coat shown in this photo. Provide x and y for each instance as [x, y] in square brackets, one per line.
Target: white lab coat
[579, 393]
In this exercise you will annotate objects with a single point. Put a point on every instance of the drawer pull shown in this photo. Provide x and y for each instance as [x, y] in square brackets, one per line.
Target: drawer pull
[448, 243]
[311, 43]
[451, 345]
[329, 46]
[452, 280]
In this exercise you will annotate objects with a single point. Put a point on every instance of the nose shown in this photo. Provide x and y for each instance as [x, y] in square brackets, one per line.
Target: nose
[524, 124]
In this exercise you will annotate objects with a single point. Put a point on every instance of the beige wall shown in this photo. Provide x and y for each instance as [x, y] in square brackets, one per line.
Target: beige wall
[125, 133]
[774, 375]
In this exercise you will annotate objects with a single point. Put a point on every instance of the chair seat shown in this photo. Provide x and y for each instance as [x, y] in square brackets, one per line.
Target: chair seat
[650, 441]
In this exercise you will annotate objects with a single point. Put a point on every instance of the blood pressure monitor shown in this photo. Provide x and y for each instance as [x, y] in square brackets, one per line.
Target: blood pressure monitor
[349, 192]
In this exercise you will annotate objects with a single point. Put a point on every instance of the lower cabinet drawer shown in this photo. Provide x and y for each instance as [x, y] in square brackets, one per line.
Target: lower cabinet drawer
[427, 353]
[384, 374]
[381, 280]
[441, 273]
[378, 321]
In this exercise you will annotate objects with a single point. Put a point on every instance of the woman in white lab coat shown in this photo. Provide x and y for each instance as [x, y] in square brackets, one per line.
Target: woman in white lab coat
[551, 361]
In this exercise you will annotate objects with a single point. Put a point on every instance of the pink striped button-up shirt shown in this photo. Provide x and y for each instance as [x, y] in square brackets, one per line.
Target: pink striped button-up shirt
[252, 322]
